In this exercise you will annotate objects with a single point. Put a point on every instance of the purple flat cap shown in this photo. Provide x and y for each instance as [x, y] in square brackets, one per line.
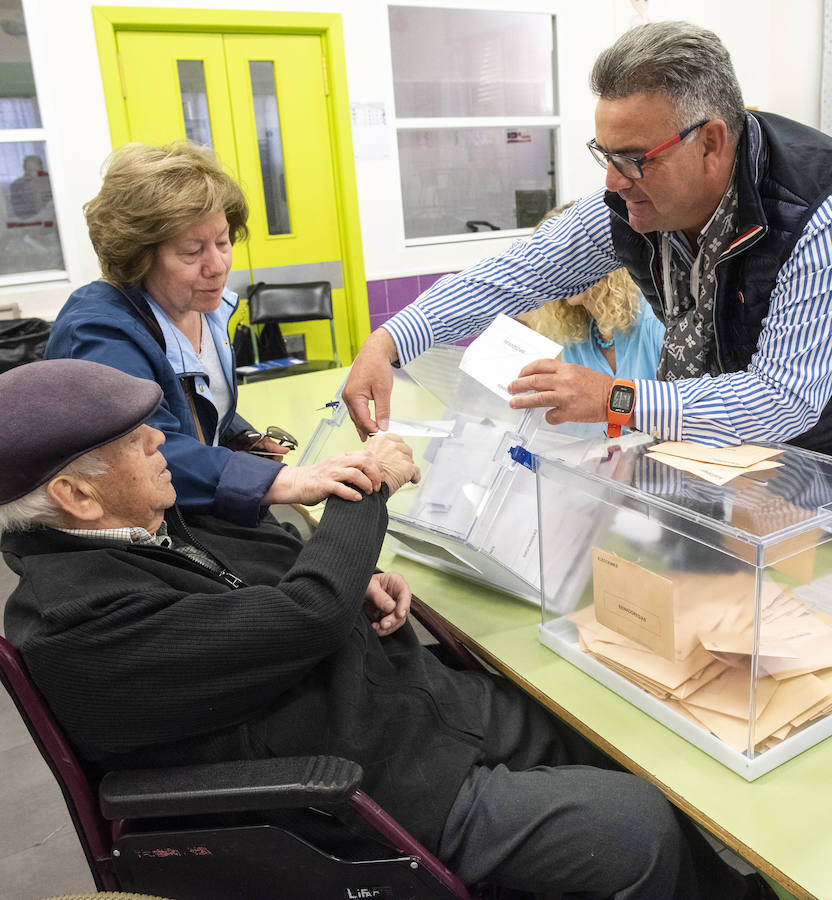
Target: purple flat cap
[56, 410]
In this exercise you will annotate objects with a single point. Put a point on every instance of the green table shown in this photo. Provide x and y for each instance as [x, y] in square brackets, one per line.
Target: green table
[780, 823]
[293, 401]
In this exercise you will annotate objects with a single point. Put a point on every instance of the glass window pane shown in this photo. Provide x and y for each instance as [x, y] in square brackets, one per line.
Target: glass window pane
[454, 178]
[18, 102]
[462, 62]
[29, 239]
[194, 101]
[270, 146]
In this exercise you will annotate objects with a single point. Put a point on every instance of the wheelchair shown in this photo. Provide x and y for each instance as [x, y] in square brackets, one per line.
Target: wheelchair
[288, 828]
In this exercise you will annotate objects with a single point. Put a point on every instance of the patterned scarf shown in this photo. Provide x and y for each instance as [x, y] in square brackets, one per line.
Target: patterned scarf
[689, 349]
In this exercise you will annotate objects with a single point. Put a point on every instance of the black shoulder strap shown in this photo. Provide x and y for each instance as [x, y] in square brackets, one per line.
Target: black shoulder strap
[143, 312]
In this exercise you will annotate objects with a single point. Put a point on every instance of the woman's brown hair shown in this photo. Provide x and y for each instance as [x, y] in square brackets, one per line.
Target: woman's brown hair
[149, 195]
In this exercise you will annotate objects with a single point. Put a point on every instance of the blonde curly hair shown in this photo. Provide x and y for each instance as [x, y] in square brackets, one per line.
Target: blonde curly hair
[615, 297]
[149, 195]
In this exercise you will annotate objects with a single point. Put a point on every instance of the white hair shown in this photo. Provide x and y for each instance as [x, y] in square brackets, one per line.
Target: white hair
[37, 507]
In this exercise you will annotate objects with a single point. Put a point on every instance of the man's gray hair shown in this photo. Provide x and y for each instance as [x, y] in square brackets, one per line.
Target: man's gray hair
[37, 508]
[688, 64]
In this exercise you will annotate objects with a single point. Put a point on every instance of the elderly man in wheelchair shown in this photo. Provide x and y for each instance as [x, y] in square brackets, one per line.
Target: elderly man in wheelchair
[181, 657]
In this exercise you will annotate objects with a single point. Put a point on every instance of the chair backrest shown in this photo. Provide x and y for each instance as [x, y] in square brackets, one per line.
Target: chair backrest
[22, 341]
[94, 832]
[304, 302]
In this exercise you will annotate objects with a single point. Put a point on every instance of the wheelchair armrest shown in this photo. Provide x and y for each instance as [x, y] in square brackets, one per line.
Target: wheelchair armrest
[458, 653]
[238, 786]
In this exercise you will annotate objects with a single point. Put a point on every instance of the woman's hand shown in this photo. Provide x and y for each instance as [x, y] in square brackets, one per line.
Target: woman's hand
[387, 602]
[269, 445]
[387, 458]
[311, 484]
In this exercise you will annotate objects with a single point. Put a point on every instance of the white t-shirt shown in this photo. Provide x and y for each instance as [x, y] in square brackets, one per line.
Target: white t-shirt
[220, 389]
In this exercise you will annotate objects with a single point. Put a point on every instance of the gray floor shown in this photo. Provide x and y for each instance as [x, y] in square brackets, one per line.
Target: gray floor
[39, 852]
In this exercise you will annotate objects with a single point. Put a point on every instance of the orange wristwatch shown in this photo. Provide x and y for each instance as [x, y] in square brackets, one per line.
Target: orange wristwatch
[620, 405]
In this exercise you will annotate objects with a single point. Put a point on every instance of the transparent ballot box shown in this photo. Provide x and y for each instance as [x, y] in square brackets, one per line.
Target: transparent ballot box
[704, 599]
[474, 512]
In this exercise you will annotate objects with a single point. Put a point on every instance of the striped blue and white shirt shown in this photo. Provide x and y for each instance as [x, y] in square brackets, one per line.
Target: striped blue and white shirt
[780, 395]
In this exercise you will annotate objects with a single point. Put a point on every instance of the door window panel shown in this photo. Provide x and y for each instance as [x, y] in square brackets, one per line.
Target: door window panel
[18, 98]
[463, 180]
[194, 101]
[470, 62]
[29, 241]
[270, 145]
[476, 119]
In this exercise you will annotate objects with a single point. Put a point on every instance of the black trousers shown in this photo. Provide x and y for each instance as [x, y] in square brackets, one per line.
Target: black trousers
[547, 812]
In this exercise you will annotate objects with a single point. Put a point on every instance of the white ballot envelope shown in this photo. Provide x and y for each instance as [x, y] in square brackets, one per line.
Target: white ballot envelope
[496, 357]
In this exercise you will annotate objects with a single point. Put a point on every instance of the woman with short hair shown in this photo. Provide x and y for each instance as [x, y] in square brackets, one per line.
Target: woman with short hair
[163, 226]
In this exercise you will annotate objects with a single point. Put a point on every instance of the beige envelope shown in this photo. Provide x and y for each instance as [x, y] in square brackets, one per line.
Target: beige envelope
[646, 684]
[711, 671]
[646, 664]
[730, 693]
[634, 601]
[678, 707]
[588, 625]
[814, 712]
[742, 456]
[734, 642]
[793, 698]
[811, 650]
[659, 690]
[711, 472]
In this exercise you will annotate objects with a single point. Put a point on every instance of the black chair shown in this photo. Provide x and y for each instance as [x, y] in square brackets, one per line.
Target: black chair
[22, 341]
[201, 832]
[271, 305]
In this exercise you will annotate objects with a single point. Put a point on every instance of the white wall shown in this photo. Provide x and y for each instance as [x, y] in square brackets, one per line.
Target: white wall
[775, 47]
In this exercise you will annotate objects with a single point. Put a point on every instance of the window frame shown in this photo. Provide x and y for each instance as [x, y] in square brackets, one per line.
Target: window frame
[436, 123]
[41, 134]
[38, 276]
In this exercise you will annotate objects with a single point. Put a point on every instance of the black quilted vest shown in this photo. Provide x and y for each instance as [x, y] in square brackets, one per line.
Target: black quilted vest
[784, 173]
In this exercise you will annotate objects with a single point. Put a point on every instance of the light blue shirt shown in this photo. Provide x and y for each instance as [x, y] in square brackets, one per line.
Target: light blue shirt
[183, 358]
[636, 351]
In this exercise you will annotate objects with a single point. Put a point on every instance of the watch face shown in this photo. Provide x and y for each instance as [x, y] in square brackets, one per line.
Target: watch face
[622, 398]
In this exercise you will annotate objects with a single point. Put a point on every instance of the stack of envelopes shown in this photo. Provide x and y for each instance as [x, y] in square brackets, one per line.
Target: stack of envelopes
[718, 465]
[708, 675]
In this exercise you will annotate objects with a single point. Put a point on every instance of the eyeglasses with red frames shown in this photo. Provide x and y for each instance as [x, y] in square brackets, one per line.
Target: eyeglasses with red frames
[630, 166]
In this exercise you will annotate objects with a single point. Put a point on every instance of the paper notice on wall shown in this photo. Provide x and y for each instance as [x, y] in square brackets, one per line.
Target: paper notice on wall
[370, 134]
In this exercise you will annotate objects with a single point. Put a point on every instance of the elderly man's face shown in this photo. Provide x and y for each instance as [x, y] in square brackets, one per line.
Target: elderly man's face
[674, 194]
[137, 489]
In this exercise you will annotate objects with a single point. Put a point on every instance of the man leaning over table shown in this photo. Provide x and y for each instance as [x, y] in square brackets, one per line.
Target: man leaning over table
[721, 216]
[159, 642]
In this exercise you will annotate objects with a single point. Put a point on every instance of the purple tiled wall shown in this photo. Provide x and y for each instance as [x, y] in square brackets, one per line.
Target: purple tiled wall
[389, 295]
